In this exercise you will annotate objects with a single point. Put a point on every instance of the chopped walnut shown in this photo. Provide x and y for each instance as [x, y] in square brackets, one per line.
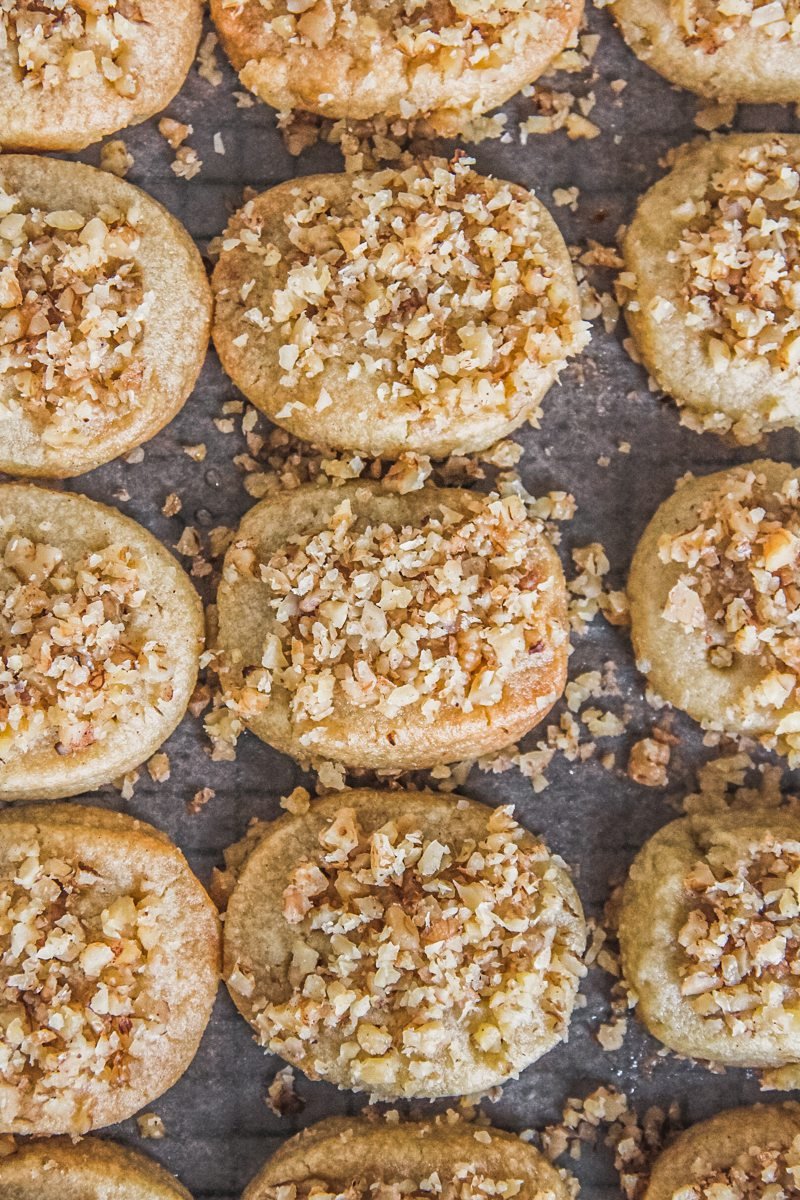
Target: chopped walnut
[464, 1184]
[282, 1099]
[648, 762]
[151, 1126]
[72, 314]
[116, 158]
[74, 665]
[712, 24]
[759, 1173]
[395, 929]
[51, 41]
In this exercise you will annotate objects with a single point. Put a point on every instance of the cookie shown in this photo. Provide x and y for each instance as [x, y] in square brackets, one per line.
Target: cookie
[426, 309]
[404, 944]
[709, 933]
[71, 73]
[100, 636]
[105, 315]
[741, 52]
[417, 1159]
[746, 1152]
[446, 62]
[712, 283]
[392, 632]
[714, 601]
[58, 1169]
[109, 963]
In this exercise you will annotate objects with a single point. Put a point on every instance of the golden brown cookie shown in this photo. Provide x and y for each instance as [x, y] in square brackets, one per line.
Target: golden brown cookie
[420, 1159]
[105, 313]
[447, 60]
[426, 309]
[709, 933]
[714, 601]
[712, 278]
[743, 1154]
[109, 962]
[100, 635]
[744, 51]
[404, 944]
[70, 73]
[92, 1169]
[392, 632]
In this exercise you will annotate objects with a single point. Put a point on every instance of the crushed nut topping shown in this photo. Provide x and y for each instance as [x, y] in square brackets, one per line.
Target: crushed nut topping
[463, 1184]
[72, 314]
[52, 41]
[441, 614]
[740, 258]
[397, 930]
[74, 664]
[742, 940]
[75, 961]
[741, 587]
[711, 24]
[436, 283]
[758, 1174]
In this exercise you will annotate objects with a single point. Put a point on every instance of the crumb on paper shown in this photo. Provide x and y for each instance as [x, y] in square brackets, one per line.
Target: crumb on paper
[197, 452]
[282, 1098]
[151, 1126]
[116, 158]
[207, 65]
[219, 145]
[188, 544]
[158, 767]
[648, 762]
[136, 456]
[199, 800]
[297, 802]
[172, 505]
[126, 784]
[187, 163]
[174, 132]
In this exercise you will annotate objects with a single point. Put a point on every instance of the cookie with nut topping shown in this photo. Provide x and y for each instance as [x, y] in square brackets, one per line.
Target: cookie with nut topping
[426, 309]
[109, 967]
[741, 1154]
[741, 51]
[105, 314]
[72, 72]
[709, 933]
[445, 60]
[409, 944]
[369, 1159]
[58, 1169]
[390, 632]
[100, 637]
[712, 283]
[714, 592]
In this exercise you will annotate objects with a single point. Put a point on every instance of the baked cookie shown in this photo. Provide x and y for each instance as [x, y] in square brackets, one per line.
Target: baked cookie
[714, 601]
[419, 1159]
[109, 966]
[392, 632]
[58, 1169]
[409, 944]
[447, 60]
[709, 934]
[745, 51]
[426, 309]
[105, 314]
[743, 1154]
[70, 73]
[712, 278]
[100, 635]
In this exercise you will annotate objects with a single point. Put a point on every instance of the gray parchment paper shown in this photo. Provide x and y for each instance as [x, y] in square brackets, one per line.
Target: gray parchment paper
[219, 1129]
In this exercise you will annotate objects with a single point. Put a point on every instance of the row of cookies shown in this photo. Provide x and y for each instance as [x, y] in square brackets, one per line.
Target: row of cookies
[70, 75]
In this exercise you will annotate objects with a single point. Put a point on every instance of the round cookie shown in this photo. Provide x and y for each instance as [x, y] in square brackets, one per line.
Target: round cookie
[712, 279]
[426, 309]
[733, 1154]
[709, 932]
[475, 1163]
[744, 53]
[444, 61]
[408, 944]
[105, 315]
[714, 598]
[111, 1015]
[58, 1169]
[392, 632]
[100, 636]
[71, 73]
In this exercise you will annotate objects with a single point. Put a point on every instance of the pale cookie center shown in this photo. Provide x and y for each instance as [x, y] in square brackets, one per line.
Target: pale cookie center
[74, 1004]
[742, 941]
[72, 318]
[401, 936]
[54, 41]
[74, 663]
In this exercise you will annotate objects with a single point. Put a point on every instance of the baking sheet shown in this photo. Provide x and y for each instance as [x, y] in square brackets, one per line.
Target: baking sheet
[219, 1129]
